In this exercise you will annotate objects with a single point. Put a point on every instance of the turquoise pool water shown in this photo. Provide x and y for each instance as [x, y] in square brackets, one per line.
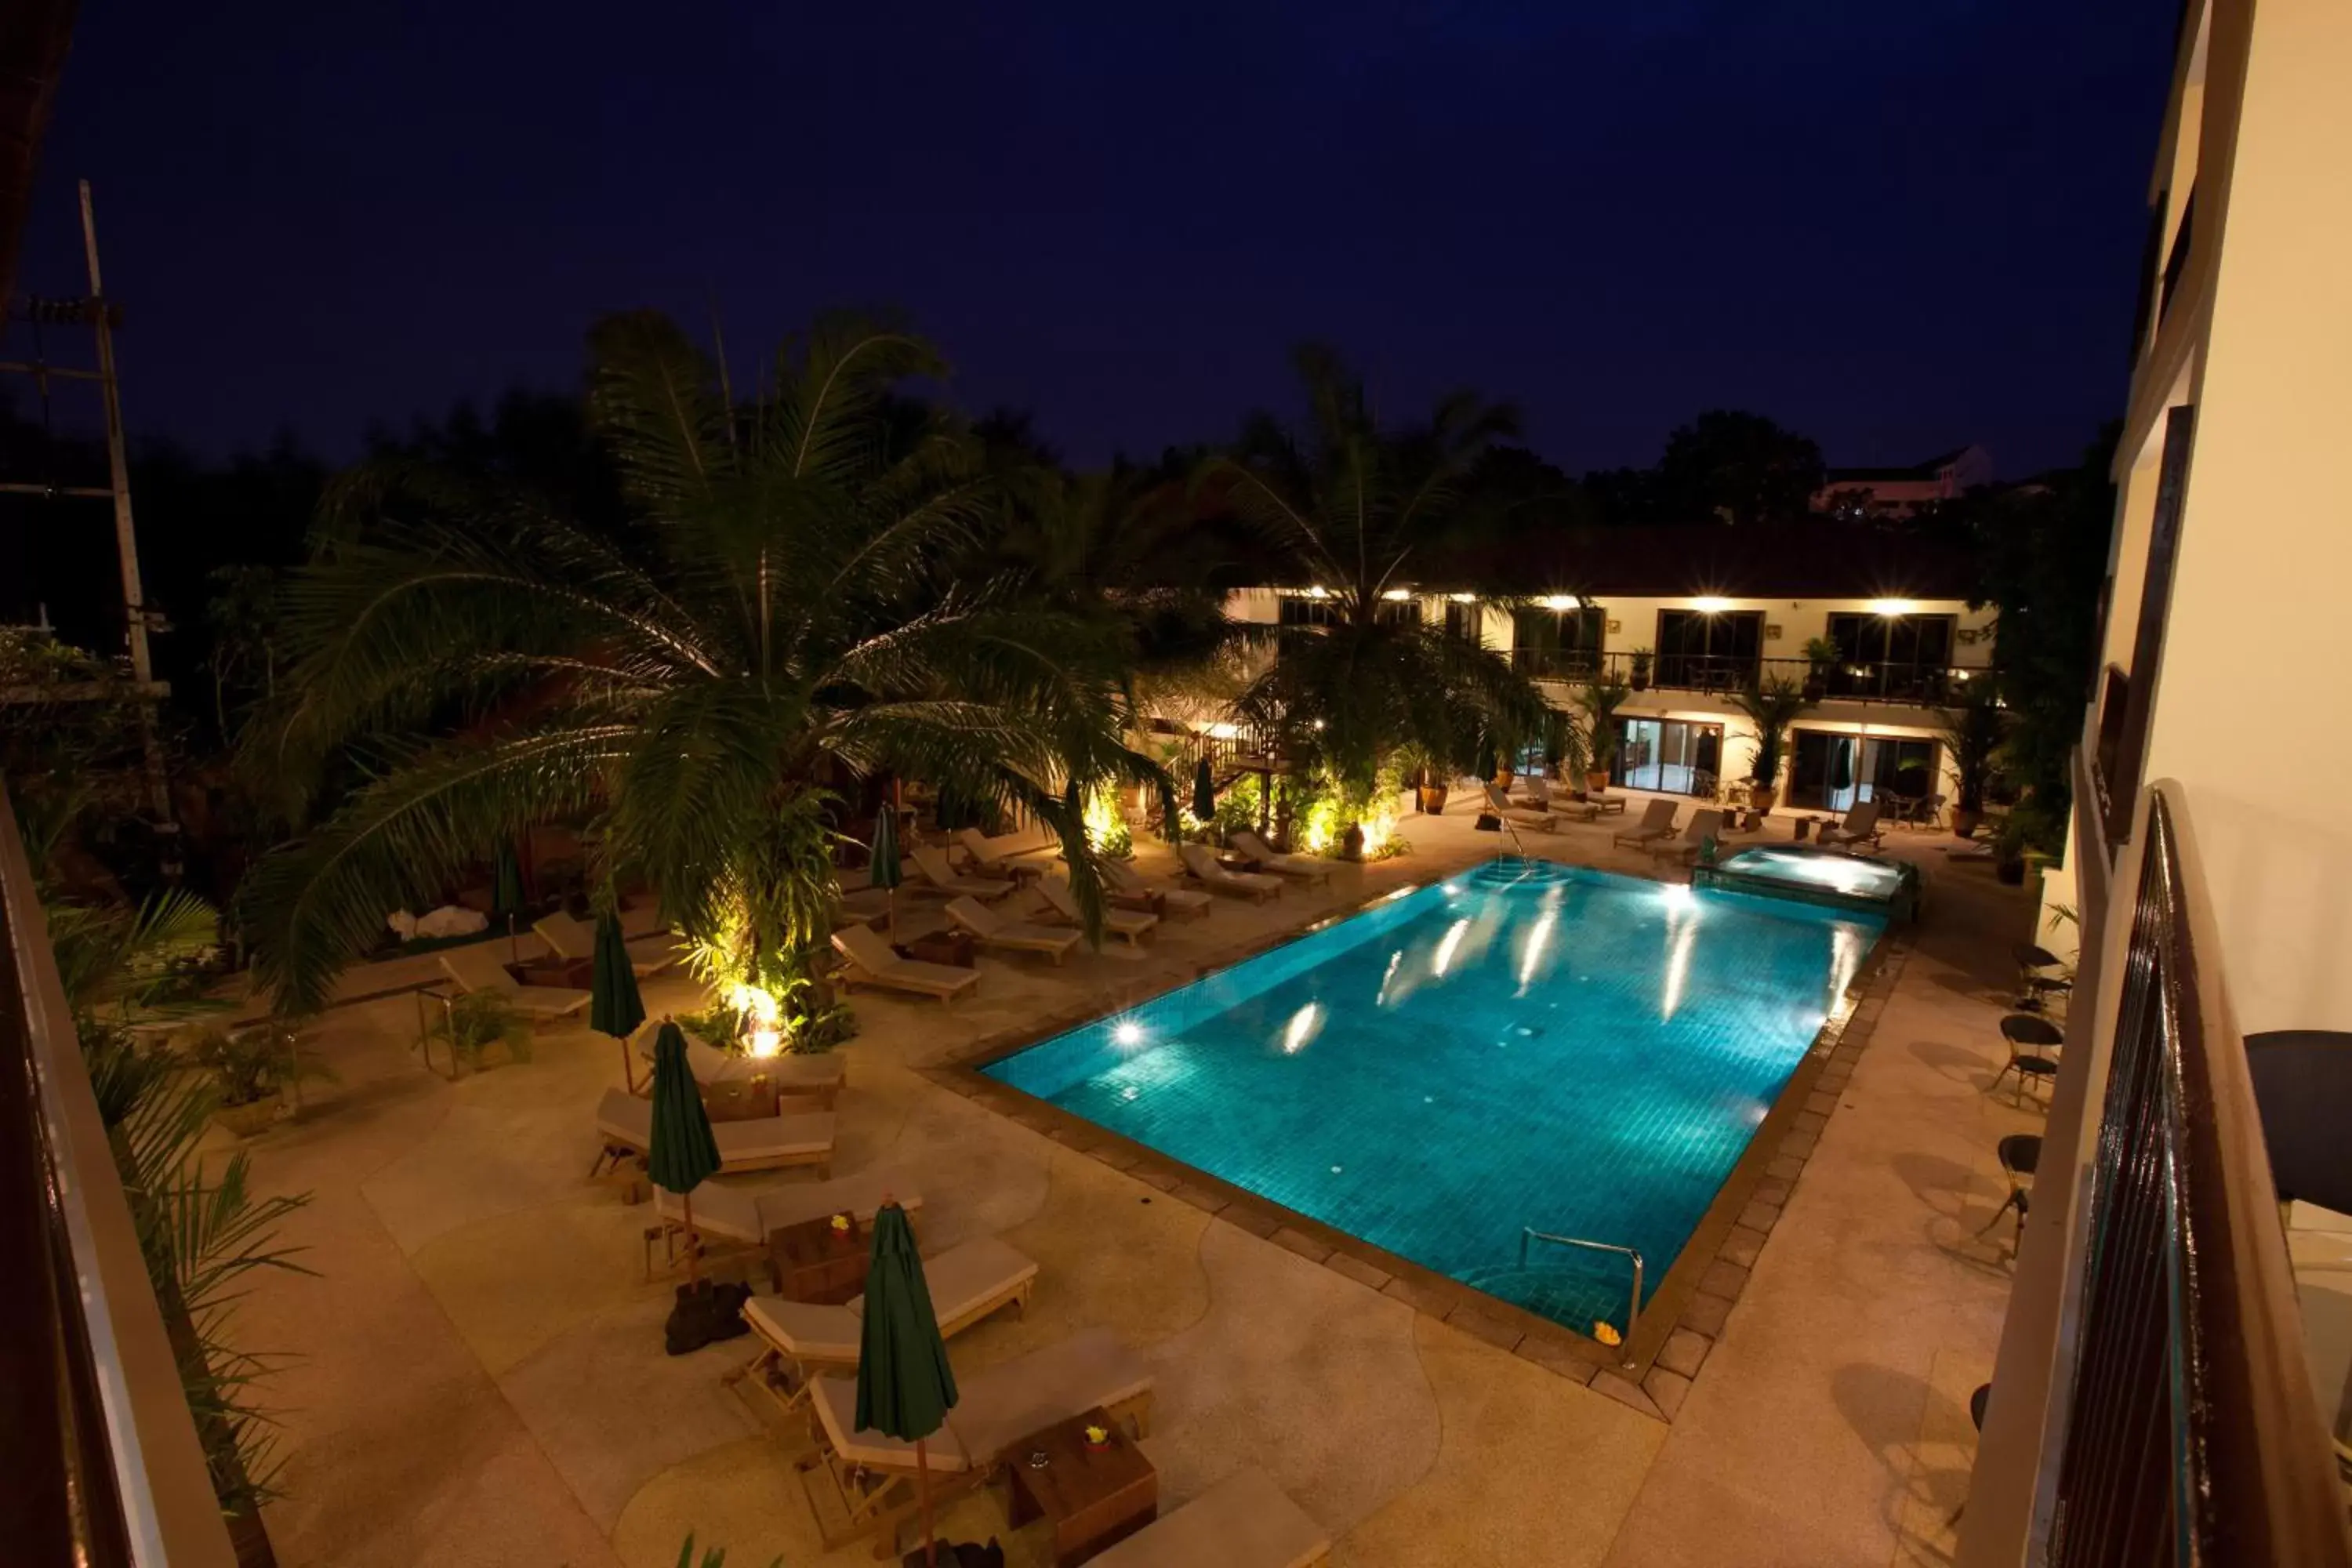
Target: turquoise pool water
[1528, 1044]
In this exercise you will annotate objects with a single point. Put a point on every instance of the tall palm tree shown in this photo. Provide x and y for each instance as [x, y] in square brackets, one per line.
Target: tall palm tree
[785, 608]
[1352, 509]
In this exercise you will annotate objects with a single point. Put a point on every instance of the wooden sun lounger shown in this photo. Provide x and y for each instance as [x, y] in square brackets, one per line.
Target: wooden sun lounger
[1306, 868]
[750, 1215]
[1657, 822]
[799, 1340]
[818, 1074]
[1541, 821]
[936, 876]
[998, 857]
[874, 1475]
[1242, 1521]
[1203, 867]
[569, 938]
[475, 970]
[1860, 828]
[992, 930]
[1702, 825]
[1124, 884]
[1132, 924]
[762, 1143]
[872, 962]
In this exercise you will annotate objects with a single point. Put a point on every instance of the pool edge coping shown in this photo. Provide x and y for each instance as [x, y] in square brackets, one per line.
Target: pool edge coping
[1687, 1311]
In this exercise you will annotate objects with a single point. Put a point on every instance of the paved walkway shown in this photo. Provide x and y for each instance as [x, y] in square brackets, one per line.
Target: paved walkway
[480, 1378]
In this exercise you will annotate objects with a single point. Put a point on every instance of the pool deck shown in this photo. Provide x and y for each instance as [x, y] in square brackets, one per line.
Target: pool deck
[481, 1377]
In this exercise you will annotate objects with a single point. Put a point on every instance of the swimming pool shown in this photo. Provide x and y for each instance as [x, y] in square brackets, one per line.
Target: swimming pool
[1528, 1044]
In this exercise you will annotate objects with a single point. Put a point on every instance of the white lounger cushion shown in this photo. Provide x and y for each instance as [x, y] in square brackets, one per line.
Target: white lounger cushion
[1127, 880]
[1242, 1521]
[625, 1119]
[964, 1280]
[478, 969]
[753, 1213]
[997, 1407]
[999, 932]
[1305, 866]
[1204, 865]
[875, 960]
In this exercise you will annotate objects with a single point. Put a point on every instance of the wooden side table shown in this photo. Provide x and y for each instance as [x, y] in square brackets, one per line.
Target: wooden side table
[1095, 1497]
[954, 948]
[740, 1100]
[813, 1262]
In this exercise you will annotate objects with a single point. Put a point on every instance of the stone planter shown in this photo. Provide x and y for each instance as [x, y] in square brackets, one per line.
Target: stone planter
[247, 1119]
[1433, 800]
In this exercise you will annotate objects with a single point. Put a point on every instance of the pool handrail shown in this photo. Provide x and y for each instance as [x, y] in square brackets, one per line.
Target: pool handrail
[1529, 1233]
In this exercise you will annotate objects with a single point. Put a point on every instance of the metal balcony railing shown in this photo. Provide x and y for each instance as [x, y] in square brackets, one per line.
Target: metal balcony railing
[1908, 683]
[99, 1459]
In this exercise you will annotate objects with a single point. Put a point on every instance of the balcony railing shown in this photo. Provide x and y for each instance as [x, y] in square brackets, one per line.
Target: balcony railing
[1910, 683]
[99, 1457]
[2190, 1435]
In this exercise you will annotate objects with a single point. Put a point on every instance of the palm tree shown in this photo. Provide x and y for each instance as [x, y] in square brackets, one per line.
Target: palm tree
[1349, 507]
[1602, 699]
[785, 608]
[1772, 706]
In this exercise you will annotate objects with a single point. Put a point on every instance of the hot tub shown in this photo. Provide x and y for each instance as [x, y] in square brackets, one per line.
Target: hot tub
[1887, 887]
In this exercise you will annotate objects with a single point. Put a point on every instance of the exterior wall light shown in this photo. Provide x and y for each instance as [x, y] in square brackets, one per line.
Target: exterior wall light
[1397, 595]
[1562, 602]
[1893, 606]
[1464, 598]
[1710, 604]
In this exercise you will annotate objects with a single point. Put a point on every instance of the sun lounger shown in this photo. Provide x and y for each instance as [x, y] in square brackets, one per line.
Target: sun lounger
[1306, 868]
[1598, 805]
[999, 856]
[1242, 1521]
[751, 1214]
[992, 930]
[1202, 865]
[1657, 822]
[475, 970]
[935, 874]
[872, 962]
[1541, 821]
[1130, 923]
[1123, 883]
[1533, 795]
[1702, 826]
[864, 906]
[1860, 828]
[874, 1475]
[799, 1340]
[760, 1143]
[571, 937]
[820, 1074]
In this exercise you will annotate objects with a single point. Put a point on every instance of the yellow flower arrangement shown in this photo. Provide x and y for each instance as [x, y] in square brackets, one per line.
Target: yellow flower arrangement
[840, 1223]
[1097, 1435]
[1606, 1332]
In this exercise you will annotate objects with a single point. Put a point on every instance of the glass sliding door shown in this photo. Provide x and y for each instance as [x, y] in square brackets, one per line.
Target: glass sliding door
[1830, 772]
[1672, 756]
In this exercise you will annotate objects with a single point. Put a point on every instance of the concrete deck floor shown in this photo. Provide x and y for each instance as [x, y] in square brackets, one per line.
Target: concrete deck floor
[479, 1376]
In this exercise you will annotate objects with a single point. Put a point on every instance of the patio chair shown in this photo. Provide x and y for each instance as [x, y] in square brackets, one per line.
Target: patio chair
[871, 961]
[818, 1073]
[992, 930]
[1500, 805]
[1130, 923]
[2028, 1035]
[477, 971]
[572, 938]
[750, 1215]
[1860, 828]
[1242, 1521]
[932, 869]
[1202, 868]
[799, 1340]
[1657, 822]
[874, 1475]
[762, 1143]
[2018, 1153]
[1123, 884]
[1305, 868]
[1923, 813]
[1702, 826]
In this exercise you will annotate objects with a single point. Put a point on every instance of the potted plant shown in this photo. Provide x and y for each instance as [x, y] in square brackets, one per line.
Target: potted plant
[1601, 699]
[2008, 851]
[475, 1022]
[1641, 681]
[1973, 733]
[1821, 653]
[1420, 767]
[1773, 705]
[249, 1068]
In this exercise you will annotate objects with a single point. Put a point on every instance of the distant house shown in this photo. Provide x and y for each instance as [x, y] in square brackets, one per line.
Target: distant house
[1900, 491]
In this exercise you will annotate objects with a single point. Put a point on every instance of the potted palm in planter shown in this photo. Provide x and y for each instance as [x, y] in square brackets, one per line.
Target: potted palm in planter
[1641, 681]
[1772, 706]
[250, 1069]
[1821, 653]
[1420, 767]
[1601, 699]
[1973, 733]
[475, 1022]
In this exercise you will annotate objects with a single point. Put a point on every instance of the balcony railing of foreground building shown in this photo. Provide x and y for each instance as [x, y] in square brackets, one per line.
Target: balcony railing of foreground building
[2178, 1424]
[1912, 685]
[100, 1463]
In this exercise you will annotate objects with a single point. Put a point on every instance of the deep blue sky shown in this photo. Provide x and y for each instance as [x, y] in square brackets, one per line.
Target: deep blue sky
[1895, 226]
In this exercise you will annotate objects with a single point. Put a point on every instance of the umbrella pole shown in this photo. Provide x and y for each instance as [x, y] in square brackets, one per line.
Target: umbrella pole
[693, 1246]
[923, 1490]
[628, 1076]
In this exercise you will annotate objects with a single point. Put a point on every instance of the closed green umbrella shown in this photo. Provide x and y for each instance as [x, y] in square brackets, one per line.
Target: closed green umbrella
[885, 873]
[1842, 766]
[905, 1387]
[613, 1006]
[506, 895]
[683, 1152]
[1204, 793]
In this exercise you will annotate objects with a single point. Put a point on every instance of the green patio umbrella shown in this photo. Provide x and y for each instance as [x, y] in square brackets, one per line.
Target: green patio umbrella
[506, 894]
[905, 1387]
[1204, 793]
[885, 873]
[613, 1006]
[1842, 767]
[683, 1152]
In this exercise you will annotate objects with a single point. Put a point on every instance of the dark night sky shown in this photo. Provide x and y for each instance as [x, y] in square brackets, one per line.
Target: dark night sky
[1895, 226]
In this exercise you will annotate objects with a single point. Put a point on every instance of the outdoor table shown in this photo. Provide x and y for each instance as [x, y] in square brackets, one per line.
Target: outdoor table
[813, 1262]
[954, 948]
[1095, 1497]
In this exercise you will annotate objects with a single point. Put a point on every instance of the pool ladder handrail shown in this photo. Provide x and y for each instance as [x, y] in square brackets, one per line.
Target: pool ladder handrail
[1529, 1233]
